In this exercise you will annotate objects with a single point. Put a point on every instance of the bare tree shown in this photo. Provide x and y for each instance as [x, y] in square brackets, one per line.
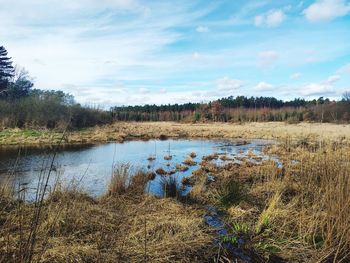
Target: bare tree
[346, 96]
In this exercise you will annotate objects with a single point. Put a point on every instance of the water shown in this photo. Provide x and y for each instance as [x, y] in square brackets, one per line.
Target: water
[90, 166]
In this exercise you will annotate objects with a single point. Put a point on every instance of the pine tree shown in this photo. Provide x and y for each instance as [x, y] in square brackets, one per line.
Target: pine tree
[6, 69]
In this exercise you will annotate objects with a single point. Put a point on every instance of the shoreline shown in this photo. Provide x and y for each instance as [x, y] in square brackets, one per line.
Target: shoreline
[128, 131]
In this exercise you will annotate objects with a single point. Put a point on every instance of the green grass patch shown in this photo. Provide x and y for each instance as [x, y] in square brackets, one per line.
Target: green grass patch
[231, 194]
[31, 133]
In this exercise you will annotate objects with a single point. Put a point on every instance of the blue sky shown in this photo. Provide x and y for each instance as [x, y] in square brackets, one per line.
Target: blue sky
[121, 52]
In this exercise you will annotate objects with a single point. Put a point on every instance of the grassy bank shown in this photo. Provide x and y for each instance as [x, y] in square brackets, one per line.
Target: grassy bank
[124, 225]
[297, 212]
[121, 131]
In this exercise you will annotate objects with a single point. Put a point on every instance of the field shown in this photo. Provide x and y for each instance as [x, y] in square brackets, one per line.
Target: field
[121, 131]
[296, 212]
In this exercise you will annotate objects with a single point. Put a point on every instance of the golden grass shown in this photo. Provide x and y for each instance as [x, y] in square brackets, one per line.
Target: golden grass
[189, 161]
[121, 131]
[262, 130]
[300, 212]
[126, 226]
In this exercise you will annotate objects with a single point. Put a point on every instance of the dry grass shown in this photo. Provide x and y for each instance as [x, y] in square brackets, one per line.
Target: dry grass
[181, 168]
[189, 161]
[125, 225]
[265, 130]
[121, 131]
[300, 212]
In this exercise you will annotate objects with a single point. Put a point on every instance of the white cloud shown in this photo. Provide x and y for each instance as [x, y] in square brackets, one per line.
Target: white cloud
[316, 89]
[162, 91]
[326, 10]
[295, 76]
[143, 91]
[202, 29]
[323, 88]
[267, 58]
[333, 79]
[273, 18]
[263, 86]
[228, 84]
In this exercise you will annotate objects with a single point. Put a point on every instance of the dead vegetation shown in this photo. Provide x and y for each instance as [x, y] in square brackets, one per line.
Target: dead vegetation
[121, 131]
[298, 212]
[124, 225]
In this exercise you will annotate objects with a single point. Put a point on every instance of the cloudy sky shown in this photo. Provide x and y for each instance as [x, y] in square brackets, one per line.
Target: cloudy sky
[119, 52]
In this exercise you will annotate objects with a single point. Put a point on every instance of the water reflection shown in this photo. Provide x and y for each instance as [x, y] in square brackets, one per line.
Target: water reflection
[92, 165]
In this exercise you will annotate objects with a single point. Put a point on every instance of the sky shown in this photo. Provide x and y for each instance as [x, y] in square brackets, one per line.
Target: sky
[128, 52]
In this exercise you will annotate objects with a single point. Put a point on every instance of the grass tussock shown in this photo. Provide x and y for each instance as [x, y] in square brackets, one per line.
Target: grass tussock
[189, 162]
[170, 187]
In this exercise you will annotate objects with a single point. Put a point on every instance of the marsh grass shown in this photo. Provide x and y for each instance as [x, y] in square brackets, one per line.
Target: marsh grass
[230, 194]
[124, 225]
[125, 179]
[300, 211]
[189, 161]
[170, 187]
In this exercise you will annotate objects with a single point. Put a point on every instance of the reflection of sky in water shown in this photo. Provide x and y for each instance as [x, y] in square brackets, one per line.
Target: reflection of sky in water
[93, 165]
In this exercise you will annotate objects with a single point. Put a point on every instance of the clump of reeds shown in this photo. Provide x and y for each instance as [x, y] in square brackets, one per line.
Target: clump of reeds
[151, 158]
[210, 157]
[193, 155]
[170, 187]
[161, 171]
[120, 179]
[181, 168]
[124, 179]
[189, 162]
[168, 157]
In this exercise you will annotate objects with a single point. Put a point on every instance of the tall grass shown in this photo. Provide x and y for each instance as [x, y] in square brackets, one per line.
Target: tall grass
[170, 187]
[124, 226]
[125, 179]
[310, 203]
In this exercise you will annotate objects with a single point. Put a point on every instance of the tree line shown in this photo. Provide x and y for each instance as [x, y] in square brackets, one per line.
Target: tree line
[241, 109]
[23, 106]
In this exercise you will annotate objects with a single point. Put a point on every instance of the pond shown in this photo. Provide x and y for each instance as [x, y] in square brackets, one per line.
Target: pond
[91, 166]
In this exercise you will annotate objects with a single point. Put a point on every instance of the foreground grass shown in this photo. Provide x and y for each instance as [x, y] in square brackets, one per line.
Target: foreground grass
[295, 213]
[121, 131]
[123, 226]
[299, 213]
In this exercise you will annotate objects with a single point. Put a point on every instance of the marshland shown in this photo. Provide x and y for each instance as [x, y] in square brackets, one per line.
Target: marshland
[175, 131]
[283, 199]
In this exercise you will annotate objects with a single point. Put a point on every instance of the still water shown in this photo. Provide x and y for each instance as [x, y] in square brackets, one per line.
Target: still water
[90, 166]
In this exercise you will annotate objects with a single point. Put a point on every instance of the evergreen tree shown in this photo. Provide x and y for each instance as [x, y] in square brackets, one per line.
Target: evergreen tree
[6, 69]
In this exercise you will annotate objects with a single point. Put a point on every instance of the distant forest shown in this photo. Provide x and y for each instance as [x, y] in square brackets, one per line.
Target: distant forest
[23, 106]
[241, 109]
